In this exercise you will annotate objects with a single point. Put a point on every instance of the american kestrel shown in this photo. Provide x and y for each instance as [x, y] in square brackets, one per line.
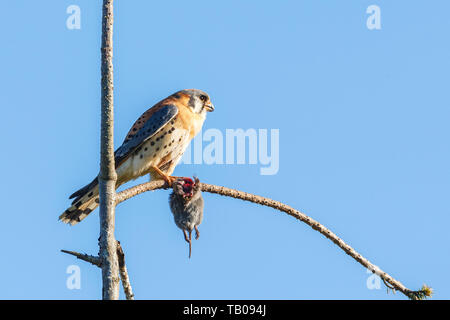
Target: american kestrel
[186, 204]
[154, 145]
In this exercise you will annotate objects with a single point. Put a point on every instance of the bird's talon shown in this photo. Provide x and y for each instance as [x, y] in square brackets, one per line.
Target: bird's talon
[171, 180]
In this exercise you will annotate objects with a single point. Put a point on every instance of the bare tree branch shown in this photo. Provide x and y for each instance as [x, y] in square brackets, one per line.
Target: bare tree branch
[85, 257]
[96, 261]
[424, 292]
[107, 177]
[140, 188]
[124, 273]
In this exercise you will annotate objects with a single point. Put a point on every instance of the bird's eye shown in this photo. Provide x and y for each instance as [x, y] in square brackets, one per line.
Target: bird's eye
[203, 97]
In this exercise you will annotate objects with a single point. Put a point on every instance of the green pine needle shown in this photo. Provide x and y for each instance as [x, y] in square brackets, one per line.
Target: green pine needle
[422, 294]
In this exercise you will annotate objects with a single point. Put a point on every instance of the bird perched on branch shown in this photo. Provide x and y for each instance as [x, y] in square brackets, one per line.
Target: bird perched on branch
[186, 204]
[154, 145]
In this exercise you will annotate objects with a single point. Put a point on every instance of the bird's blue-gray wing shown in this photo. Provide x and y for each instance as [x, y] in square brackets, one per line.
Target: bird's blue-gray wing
[152, 126]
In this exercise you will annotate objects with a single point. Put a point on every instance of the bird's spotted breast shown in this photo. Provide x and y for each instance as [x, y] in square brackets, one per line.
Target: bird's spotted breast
[167, 146]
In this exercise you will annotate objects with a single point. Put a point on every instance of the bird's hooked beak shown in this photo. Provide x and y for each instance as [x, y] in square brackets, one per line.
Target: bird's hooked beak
[209, 107]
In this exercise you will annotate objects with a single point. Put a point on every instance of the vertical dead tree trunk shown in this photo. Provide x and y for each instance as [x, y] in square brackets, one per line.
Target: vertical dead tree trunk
[107, 177]
[111, 258]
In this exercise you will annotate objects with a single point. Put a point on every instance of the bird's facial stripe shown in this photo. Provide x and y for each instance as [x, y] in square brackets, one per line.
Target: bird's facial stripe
[196, 104]
[199, 102]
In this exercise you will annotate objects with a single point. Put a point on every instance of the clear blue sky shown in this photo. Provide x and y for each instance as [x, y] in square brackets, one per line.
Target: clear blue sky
[364, 144]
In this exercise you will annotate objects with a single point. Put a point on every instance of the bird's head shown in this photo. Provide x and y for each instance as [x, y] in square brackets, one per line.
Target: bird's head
[198, 101]
[185, 187]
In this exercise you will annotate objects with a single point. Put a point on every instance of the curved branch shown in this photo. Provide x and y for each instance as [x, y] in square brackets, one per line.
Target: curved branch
[424, 292]
[140, 188]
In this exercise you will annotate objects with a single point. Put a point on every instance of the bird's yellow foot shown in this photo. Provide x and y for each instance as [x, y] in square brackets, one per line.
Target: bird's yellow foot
[168, 179]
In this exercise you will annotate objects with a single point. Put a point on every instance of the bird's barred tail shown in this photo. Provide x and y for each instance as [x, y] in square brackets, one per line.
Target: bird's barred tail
[86, 200]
